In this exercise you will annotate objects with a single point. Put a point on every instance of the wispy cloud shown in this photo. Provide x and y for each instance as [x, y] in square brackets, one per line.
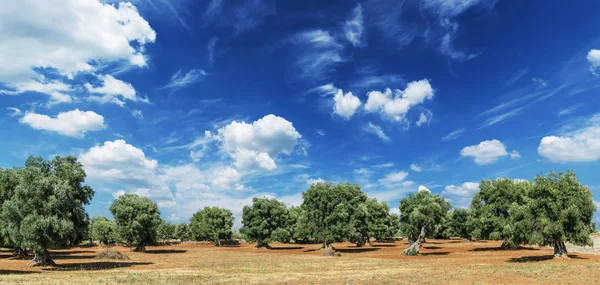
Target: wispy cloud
[210, 48]
[376, 130]
[316, 56]
[454, 135]
[180, 80]
[567, 111]
[516, 77]
[499, 118]
[354, 27]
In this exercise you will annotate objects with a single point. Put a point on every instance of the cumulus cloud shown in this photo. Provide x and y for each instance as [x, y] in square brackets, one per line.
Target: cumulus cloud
[422, 119]
[578, 146]
[376, 130]
[181, 80]
[486, 152]
[467, 189]
[345, 105]
[423, 188]
[394, 105]
[105, 34]
[394, 178]
[415, 168]
[315, 181]
[72, 123]
[593, 58]
[515, 154]
[257, 144]
[354, 27]
[111, 89]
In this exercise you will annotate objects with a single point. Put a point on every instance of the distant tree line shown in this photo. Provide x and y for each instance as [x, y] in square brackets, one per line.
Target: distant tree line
[42, 207]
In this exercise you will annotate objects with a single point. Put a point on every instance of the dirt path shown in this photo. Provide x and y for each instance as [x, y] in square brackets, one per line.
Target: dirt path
[588, 250]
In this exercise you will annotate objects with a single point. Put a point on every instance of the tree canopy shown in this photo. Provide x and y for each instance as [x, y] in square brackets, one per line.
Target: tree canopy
[46, 209]
[328, 209]
[490, 207]
[103, 230]
[557, 209]
[372, 219]
[137, 219]
[181, 232]
[457, 223]
[420, 215]
[265, 221]
[211, 224]
[165, 231]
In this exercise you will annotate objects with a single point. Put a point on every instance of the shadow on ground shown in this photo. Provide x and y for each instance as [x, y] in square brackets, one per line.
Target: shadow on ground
[539, 258]
[165, 251]
[502, 249]
[8, 272]
[286, 248]
[432, 247]
[384, 245]
[434, 253]
[91, 266]
[356, 249]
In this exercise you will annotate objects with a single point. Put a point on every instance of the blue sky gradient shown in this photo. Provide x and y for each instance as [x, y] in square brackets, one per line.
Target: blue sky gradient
[196, 103]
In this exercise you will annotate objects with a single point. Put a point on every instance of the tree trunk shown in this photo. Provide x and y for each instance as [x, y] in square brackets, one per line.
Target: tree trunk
[41, 258]
[140, 248]
[560, 250]
[413, 249]
[324, 244]
[20, 253]
[360, 242]
[218, 243]
[263, 244]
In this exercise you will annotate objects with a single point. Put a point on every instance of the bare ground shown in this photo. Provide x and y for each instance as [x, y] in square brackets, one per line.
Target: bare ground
[441, 262]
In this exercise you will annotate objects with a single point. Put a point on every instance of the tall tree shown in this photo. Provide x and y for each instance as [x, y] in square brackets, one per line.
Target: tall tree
[182, 231]
[265, 221]
[46, 209]
[457, 223]
[103, 230]
[8, 182]
[211, 224]
[420, 215]
[372, 219]
[490, 207]
[298, 231]
[137, 219]
[558, 209]
[165, 231]
[328, 210]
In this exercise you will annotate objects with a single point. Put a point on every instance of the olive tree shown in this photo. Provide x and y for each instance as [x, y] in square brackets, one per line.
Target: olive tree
[211, 224]
[558, 209]
[165, 231]
[420, 215]
[265, 221]
[490, 207]
[103, 230]
[46, 209]
[8, 182]
[457, 223]
[328, 209]
[181, 232]
[372, 219]
[137, 219]
[297, 219]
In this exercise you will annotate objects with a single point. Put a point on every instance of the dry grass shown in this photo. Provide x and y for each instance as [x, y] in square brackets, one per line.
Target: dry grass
[441, 262]
[112, 254]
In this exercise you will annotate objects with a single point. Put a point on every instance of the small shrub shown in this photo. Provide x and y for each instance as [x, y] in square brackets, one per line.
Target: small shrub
[330, 251]
[112, 254]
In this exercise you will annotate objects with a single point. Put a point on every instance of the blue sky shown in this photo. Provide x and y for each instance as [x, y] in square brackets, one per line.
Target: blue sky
[196, 103]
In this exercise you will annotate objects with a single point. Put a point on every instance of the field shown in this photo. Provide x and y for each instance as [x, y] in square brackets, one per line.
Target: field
[441, 262]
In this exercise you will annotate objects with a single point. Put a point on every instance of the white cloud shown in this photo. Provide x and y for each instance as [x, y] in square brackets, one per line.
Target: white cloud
[394, 177]
[363, 172]
[258, 143]
[486, 152]
[422, 119]
[569, 110]
[415, 168]
[345, 105]
[354, 27]
[14, 112]
[316, 56]
[423, 188]
[80, 36]
[593, 58]
[180, 80]
[384, 165]
[111, 89]
[315, 181]
[118, 193]
[72, 123]
[376, 130]
[320, 132]
[323, 90]
[137, 113]
[394, 105]
[408, 183]
[515, 154]
[578, 146]
[117, 161]
[467, 189]
[454, 135]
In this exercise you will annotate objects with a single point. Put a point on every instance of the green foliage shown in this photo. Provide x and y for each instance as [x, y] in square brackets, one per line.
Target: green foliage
[46, 208]
[8, 182]
[328, 209]
[457, 223]
[372, 219]
[211, 224]
[490, 207]
[137, 219]
[103, 230]
[182, 232]
[422, 211]
[558, 209]
[296, 222]
[165, 231]
[265, 221]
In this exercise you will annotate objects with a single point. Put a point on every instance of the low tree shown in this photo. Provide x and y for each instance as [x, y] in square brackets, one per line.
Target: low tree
[103, 230]
[211, 224]
[490, 207]
[8, 182]
[457, 223]
[182, 232]
[165, 231]
[420, 214]
[297, 219]
[46, 209]
[372, 219]
[137, 219]
[558, 209]
[265, 221]
[328, 209]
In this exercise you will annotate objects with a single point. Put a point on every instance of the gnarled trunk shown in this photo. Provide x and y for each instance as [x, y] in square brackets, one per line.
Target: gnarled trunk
[218, 243]
[263, 245]
[20, 253]
[41, 258]
[560, 250]
[140, 248]
[414, 247]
